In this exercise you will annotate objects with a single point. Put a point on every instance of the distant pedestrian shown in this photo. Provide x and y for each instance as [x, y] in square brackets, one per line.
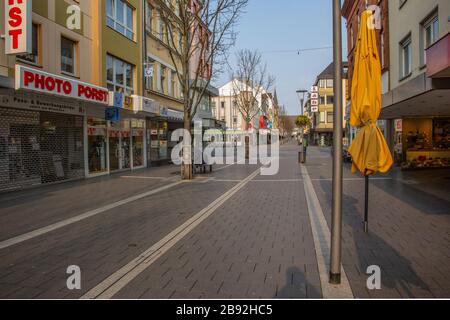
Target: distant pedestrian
[305, 146]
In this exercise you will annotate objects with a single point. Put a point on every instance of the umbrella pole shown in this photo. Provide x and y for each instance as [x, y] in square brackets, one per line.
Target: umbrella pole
[366, 206]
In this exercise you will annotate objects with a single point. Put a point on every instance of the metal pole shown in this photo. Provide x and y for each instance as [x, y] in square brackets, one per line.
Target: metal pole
[336, 224]
[366, 206]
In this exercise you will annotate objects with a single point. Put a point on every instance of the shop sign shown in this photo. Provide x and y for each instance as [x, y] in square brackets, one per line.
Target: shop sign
[314, 102]
[18, 26]
[314, 89]
[35, 103]
[399, 125]
[39, 81]
[143, 104]
[112, 114]
[116, 99]
[314, 95]
[314, 109]
[164, 111]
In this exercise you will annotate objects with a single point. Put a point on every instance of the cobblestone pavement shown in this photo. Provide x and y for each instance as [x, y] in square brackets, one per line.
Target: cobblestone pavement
[409, 229]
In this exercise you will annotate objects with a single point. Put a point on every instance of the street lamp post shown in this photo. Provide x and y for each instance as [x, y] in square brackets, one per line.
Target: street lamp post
[301, 95]
[336, 223]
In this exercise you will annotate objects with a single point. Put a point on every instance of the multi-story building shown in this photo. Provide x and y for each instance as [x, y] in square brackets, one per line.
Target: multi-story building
[323, 120]
[225, 108]
[417, 106]
[46, 92]
[163, 85]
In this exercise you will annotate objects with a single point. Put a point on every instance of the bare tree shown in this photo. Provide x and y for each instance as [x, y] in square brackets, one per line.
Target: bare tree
[250, 80]
[199, 34]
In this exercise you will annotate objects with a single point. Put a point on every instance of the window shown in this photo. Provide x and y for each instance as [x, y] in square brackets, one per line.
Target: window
[322, 117]
[173, 83]
[222, 105]
[148, 16]
[33, 57]
[119, 75]
[120, 17]
[330, 83]
[68, 55]
[149, 81]
[405, 57]
[430, 34]
[323, 100]
[330, 117]
[330, 99]
[322, 83]
[163, 79]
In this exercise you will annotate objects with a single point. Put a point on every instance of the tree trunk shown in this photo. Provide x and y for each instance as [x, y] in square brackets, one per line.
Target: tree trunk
[247, 142]
[187, 172]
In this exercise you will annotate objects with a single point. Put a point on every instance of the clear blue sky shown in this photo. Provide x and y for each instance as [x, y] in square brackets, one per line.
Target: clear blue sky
[280, 25]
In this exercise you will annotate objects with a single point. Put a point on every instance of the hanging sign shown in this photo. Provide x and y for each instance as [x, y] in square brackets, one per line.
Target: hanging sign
[18, 26]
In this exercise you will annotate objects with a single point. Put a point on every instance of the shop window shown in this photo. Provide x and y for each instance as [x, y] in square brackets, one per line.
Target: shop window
[68, 55]
[97, 156]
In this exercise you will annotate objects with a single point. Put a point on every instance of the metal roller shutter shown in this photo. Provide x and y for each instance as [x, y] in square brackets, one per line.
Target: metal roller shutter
[39, 148]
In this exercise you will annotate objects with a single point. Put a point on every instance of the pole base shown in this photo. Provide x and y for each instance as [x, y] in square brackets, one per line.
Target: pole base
[335, 278]
[366, 227]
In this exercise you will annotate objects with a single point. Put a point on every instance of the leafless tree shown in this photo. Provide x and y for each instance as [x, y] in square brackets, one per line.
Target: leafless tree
[199, 34]
[250, 81]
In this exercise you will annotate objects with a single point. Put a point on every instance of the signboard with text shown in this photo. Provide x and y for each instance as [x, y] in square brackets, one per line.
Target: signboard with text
[39, 81]
[18, 26]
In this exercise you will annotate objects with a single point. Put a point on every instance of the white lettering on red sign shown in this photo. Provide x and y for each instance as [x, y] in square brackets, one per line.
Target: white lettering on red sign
[18, 26]
[35, 80]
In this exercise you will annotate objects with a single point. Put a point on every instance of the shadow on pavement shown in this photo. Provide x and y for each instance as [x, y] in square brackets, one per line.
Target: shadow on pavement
[297, 286]
[371, 249]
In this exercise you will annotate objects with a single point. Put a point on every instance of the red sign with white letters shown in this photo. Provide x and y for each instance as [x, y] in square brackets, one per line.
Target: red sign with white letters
[18, 26]
[35, 80]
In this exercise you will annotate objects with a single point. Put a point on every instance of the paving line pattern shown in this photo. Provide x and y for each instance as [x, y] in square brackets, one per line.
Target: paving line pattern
[119, 279]
[44, 230]
[322, 243]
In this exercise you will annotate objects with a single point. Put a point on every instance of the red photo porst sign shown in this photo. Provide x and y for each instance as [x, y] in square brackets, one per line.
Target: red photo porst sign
[18, 26]
[36, 80]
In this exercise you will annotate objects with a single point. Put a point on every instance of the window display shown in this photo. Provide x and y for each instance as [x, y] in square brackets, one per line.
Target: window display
[427, 143]
[97, 146]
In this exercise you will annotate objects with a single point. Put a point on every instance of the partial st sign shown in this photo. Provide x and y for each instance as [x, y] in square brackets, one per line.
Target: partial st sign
[18, 26]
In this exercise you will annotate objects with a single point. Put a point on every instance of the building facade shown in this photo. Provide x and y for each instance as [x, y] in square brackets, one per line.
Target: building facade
[321, 132]
[225, 109]
[417, 106]
[93, 93]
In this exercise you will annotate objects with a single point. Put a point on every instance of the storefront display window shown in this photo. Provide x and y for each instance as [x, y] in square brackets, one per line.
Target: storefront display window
[97, 146]
[427, 143]
[138, 132]
[157, 134]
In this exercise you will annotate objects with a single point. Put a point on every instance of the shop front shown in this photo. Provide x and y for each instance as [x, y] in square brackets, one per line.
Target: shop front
[42, 125]
[426, 143]
[115, 146]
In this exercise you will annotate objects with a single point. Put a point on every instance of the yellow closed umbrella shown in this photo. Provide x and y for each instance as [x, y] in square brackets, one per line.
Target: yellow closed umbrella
[369, 150]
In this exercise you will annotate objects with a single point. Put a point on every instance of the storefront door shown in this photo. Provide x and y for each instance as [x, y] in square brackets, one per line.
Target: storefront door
[114, 150]
[125, 150]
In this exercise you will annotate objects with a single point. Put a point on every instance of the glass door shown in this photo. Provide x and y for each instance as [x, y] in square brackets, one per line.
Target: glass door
[125, 150]
[114, 150]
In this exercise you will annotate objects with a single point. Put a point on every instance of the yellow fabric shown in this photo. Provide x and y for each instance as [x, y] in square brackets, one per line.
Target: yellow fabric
[369, 150]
